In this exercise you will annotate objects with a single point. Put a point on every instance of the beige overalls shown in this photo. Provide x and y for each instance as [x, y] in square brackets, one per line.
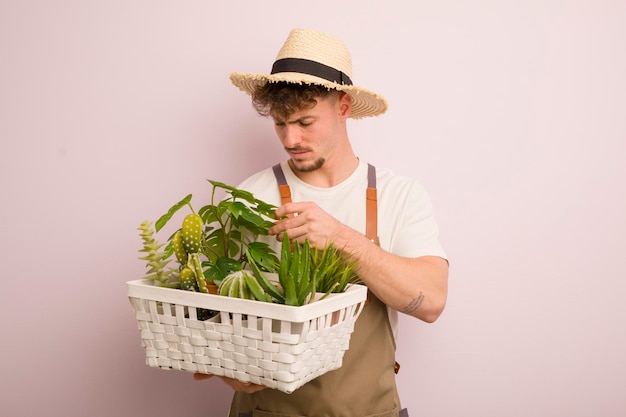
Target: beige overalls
[365, 385]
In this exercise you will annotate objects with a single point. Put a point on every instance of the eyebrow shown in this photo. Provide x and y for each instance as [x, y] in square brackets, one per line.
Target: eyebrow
[298, 120]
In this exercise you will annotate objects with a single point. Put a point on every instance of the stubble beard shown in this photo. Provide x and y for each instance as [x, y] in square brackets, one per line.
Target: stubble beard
[315, 165]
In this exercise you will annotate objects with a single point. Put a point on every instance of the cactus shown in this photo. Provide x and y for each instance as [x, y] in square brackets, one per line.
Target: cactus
[192, 233]
[195, 265]
[188, 280]
[241, 284]
[179, 248]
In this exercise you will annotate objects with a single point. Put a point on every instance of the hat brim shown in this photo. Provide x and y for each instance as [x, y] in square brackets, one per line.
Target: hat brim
[365, 103]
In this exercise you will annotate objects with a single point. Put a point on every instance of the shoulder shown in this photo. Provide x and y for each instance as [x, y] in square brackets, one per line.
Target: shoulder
[258, 178]
[390, 183]
[262, 185]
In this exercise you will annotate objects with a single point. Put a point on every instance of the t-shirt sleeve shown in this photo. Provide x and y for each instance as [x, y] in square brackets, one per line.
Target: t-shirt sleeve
[416, 233]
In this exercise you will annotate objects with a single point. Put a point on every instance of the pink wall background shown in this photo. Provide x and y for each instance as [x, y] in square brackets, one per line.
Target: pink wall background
[512, 114]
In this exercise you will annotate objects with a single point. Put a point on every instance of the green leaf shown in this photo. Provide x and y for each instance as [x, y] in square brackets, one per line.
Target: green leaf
[235, 207]
[294, 267]
[169, 250]
[256, 289]
[263, 255]
[228, 265]
[220, 269]
[265, 283]
[167, 216]
[221, 245]
[245, 217]
[252, 218]
[305, 292]
[305, 285]
[209, 214]
[290, 293]
[243, 195]
[265, 209]
[217, 184]
[285, 259]
[292, 280]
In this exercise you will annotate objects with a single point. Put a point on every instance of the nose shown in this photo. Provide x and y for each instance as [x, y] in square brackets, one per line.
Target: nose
[291, 136]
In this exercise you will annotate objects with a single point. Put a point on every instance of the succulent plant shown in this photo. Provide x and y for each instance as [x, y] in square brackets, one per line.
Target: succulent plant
[156, 258]
[242, 284]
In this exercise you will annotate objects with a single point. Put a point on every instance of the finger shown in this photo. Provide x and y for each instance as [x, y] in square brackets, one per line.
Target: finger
[200, 377]
[285, 225]
[298, 234]
[255, 388]
[277, 228]
[249, 388]
[237, 385]
[290, 210]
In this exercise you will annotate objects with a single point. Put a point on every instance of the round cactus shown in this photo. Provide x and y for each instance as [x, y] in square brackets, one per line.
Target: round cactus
[188, 280]
[242, 284]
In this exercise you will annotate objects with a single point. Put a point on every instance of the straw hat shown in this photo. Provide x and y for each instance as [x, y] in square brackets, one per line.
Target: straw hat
[312, 57]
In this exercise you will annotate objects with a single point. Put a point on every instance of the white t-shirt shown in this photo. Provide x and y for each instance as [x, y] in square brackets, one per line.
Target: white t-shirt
[406, 223]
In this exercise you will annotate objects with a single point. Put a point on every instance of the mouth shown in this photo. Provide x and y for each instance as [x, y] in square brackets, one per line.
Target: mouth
[298, 153]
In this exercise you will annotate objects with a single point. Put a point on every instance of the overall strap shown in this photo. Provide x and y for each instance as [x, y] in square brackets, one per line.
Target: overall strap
[371, 207]
[283, 187]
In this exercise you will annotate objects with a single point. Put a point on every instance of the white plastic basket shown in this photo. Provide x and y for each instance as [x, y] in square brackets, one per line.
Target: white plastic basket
[278, 346]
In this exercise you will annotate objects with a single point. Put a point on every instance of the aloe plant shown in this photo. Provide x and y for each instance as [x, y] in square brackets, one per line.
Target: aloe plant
[304, 271]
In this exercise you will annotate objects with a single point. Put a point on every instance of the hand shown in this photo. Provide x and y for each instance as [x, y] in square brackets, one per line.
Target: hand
[306, 220]
[235, 384]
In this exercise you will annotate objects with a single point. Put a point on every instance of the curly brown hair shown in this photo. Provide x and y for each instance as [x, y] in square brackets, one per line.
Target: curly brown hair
[282, 99]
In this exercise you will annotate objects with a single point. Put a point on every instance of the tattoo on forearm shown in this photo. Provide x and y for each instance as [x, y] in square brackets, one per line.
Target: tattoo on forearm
[414, 304]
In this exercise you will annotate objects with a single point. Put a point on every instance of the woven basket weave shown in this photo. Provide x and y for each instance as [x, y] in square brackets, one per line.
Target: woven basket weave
[278, 346]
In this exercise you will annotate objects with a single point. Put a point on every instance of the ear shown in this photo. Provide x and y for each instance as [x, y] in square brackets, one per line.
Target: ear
[345, 105]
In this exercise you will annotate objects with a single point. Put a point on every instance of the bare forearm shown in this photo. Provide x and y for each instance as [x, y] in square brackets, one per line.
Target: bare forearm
[414, 286]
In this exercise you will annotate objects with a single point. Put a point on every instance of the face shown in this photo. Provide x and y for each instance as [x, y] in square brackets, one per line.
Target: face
[311, 136]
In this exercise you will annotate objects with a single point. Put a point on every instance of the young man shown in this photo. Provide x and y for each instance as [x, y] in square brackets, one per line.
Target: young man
[391, 234]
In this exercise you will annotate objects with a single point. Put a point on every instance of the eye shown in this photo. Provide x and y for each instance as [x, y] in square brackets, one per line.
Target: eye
[304, 124]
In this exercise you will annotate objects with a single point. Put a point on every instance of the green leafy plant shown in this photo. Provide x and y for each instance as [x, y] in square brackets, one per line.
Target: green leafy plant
[217, 250]
[213, 242]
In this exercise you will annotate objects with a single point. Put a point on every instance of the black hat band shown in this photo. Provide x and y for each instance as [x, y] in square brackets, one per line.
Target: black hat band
[306, 66]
